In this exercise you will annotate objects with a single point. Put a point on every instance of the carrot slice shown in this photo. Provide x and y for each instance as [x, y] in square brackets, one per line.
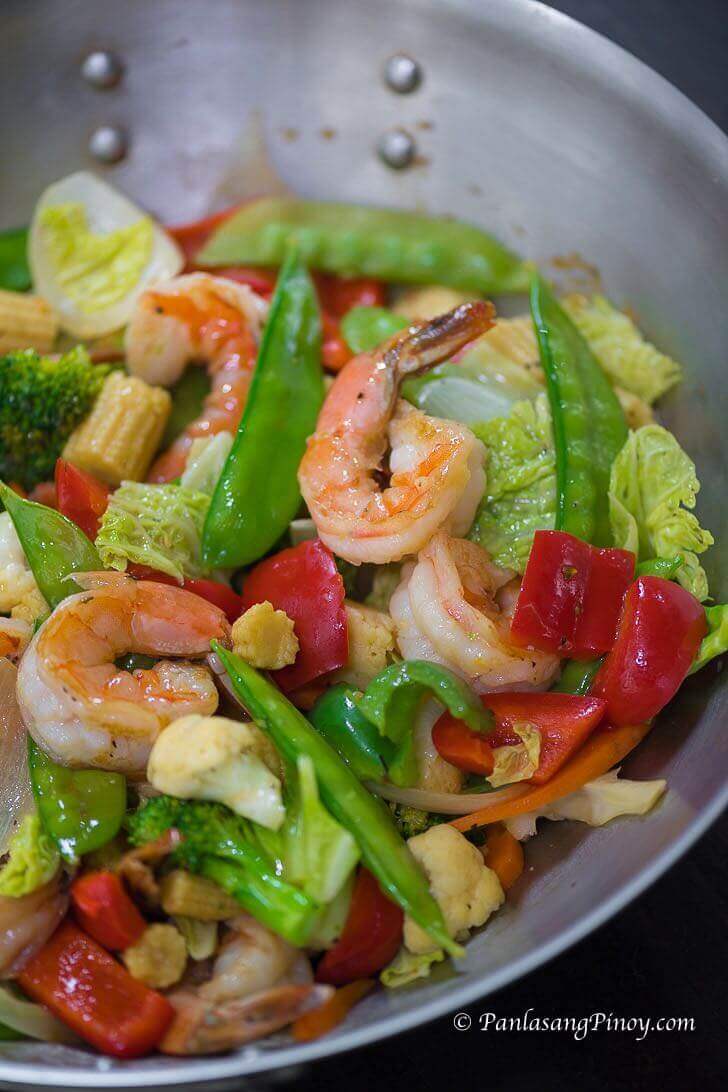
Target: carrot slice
[504, 854]
[323, 1019]
[599, 754]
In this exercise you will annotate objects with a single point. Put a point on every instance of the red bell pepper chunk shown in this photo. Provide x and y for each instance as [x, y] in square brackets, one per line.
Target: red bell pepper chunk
[220, 595]
[262, 281]
[335, 353]
[305, 583]
[94, 995]
[338, 295]
[563, 721]
[659, 634]
[104, 910]
[43, 493]
[191, 236]
[462, 747]
[370, 939]
[571, 596]
[80, 497]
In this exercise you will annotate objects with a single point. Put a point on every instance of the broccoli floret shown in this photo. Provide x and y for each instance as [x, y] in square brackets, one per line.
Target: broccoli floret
[41, 403]
[412, 821]
[235, 853]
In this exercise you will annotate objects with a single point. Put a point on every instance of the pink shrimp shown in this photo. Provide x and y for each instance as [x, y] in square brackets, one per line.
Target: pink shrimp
[435, 476]
[204, 319]
[84, 710]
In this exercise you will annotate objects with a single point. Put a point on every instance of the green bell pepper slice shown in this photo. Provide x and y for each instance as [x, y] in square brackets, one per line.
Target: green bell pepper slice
[383, 851]
[356, 241]
[257, 494]
[365, 328]
[391, 702]
[54, 546]
[80, 809]
[577, 677]
[337, 717]
[589, 426]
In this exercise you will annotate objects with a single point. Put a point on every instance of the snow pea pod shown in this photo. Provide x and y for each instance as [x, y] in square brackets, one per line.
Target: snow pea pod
[54, 546]
[352, 240]
[14, 270]
[80, 809]
[589, 426]
[257, 494]
[383, 851]
[392, 699]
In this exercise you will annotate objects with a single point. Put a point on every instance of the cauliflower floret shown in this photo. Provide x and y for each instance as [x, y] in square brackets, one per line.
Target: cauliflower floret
[371, 643]
[159, 957]
[429, 301]
[20, 596]
[466, 889]
[213, 758]
[264, 637]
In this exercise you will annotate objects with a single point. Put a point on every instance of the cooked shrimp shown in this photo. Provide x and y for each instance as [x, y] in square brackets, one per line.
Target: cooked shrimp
[85, 711]
[259, 983]
[203, 319]
[27, 922]
[436, 475]
[15, 634]
[455, 606]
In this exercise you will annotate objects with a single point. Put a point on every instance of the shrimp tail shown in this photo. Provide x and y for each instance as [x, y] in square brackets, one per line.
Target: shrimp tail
[199, 1028]
[422, 347]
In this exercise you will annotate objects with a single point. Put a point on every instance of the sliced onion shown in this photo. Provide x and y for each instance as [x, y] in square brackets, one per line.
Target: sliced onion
[16, 796]
[32, 1020]
[446, 803]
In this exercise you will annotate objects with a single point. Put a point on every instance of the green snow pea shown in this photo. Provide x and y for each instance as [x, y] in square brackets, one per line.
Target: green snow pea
[353, 240]
[14, 270]
[392, 699]
[257, 494]
[588, 422]
[383, 851]
[80, 809]
[54, 546]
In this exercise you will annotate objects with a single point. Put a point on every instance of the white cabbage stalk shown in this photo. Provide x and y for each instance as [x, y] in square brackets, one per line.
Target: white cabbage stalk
[106, 210]
[596, 803]
[32, 1020]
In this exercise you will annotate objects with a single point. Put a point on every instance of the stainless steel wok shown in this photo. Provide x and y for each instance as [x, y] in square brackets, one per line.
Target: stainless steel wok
[523, 121]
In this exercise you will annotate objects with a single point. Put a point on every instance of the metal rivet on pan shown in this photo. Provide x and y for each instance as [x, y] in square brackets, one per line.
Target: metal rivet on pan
[102, 68]
[402, 73]
[396, 148]
[108, 144]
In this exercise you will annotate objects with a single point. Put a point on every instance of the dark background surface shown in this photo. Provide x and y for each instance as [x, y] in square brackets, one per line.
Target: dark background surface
[667, 954]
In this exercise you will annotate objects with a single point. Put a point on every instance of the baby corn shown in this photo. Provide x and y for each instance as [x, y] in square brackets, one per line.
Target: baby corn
[26, 322]
[196, 897]
[120, 437]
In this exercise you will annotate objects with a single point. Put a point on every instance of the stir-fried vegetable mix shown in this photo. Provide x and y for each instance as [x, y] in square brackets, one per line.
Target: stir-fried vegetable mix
[437, 597]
